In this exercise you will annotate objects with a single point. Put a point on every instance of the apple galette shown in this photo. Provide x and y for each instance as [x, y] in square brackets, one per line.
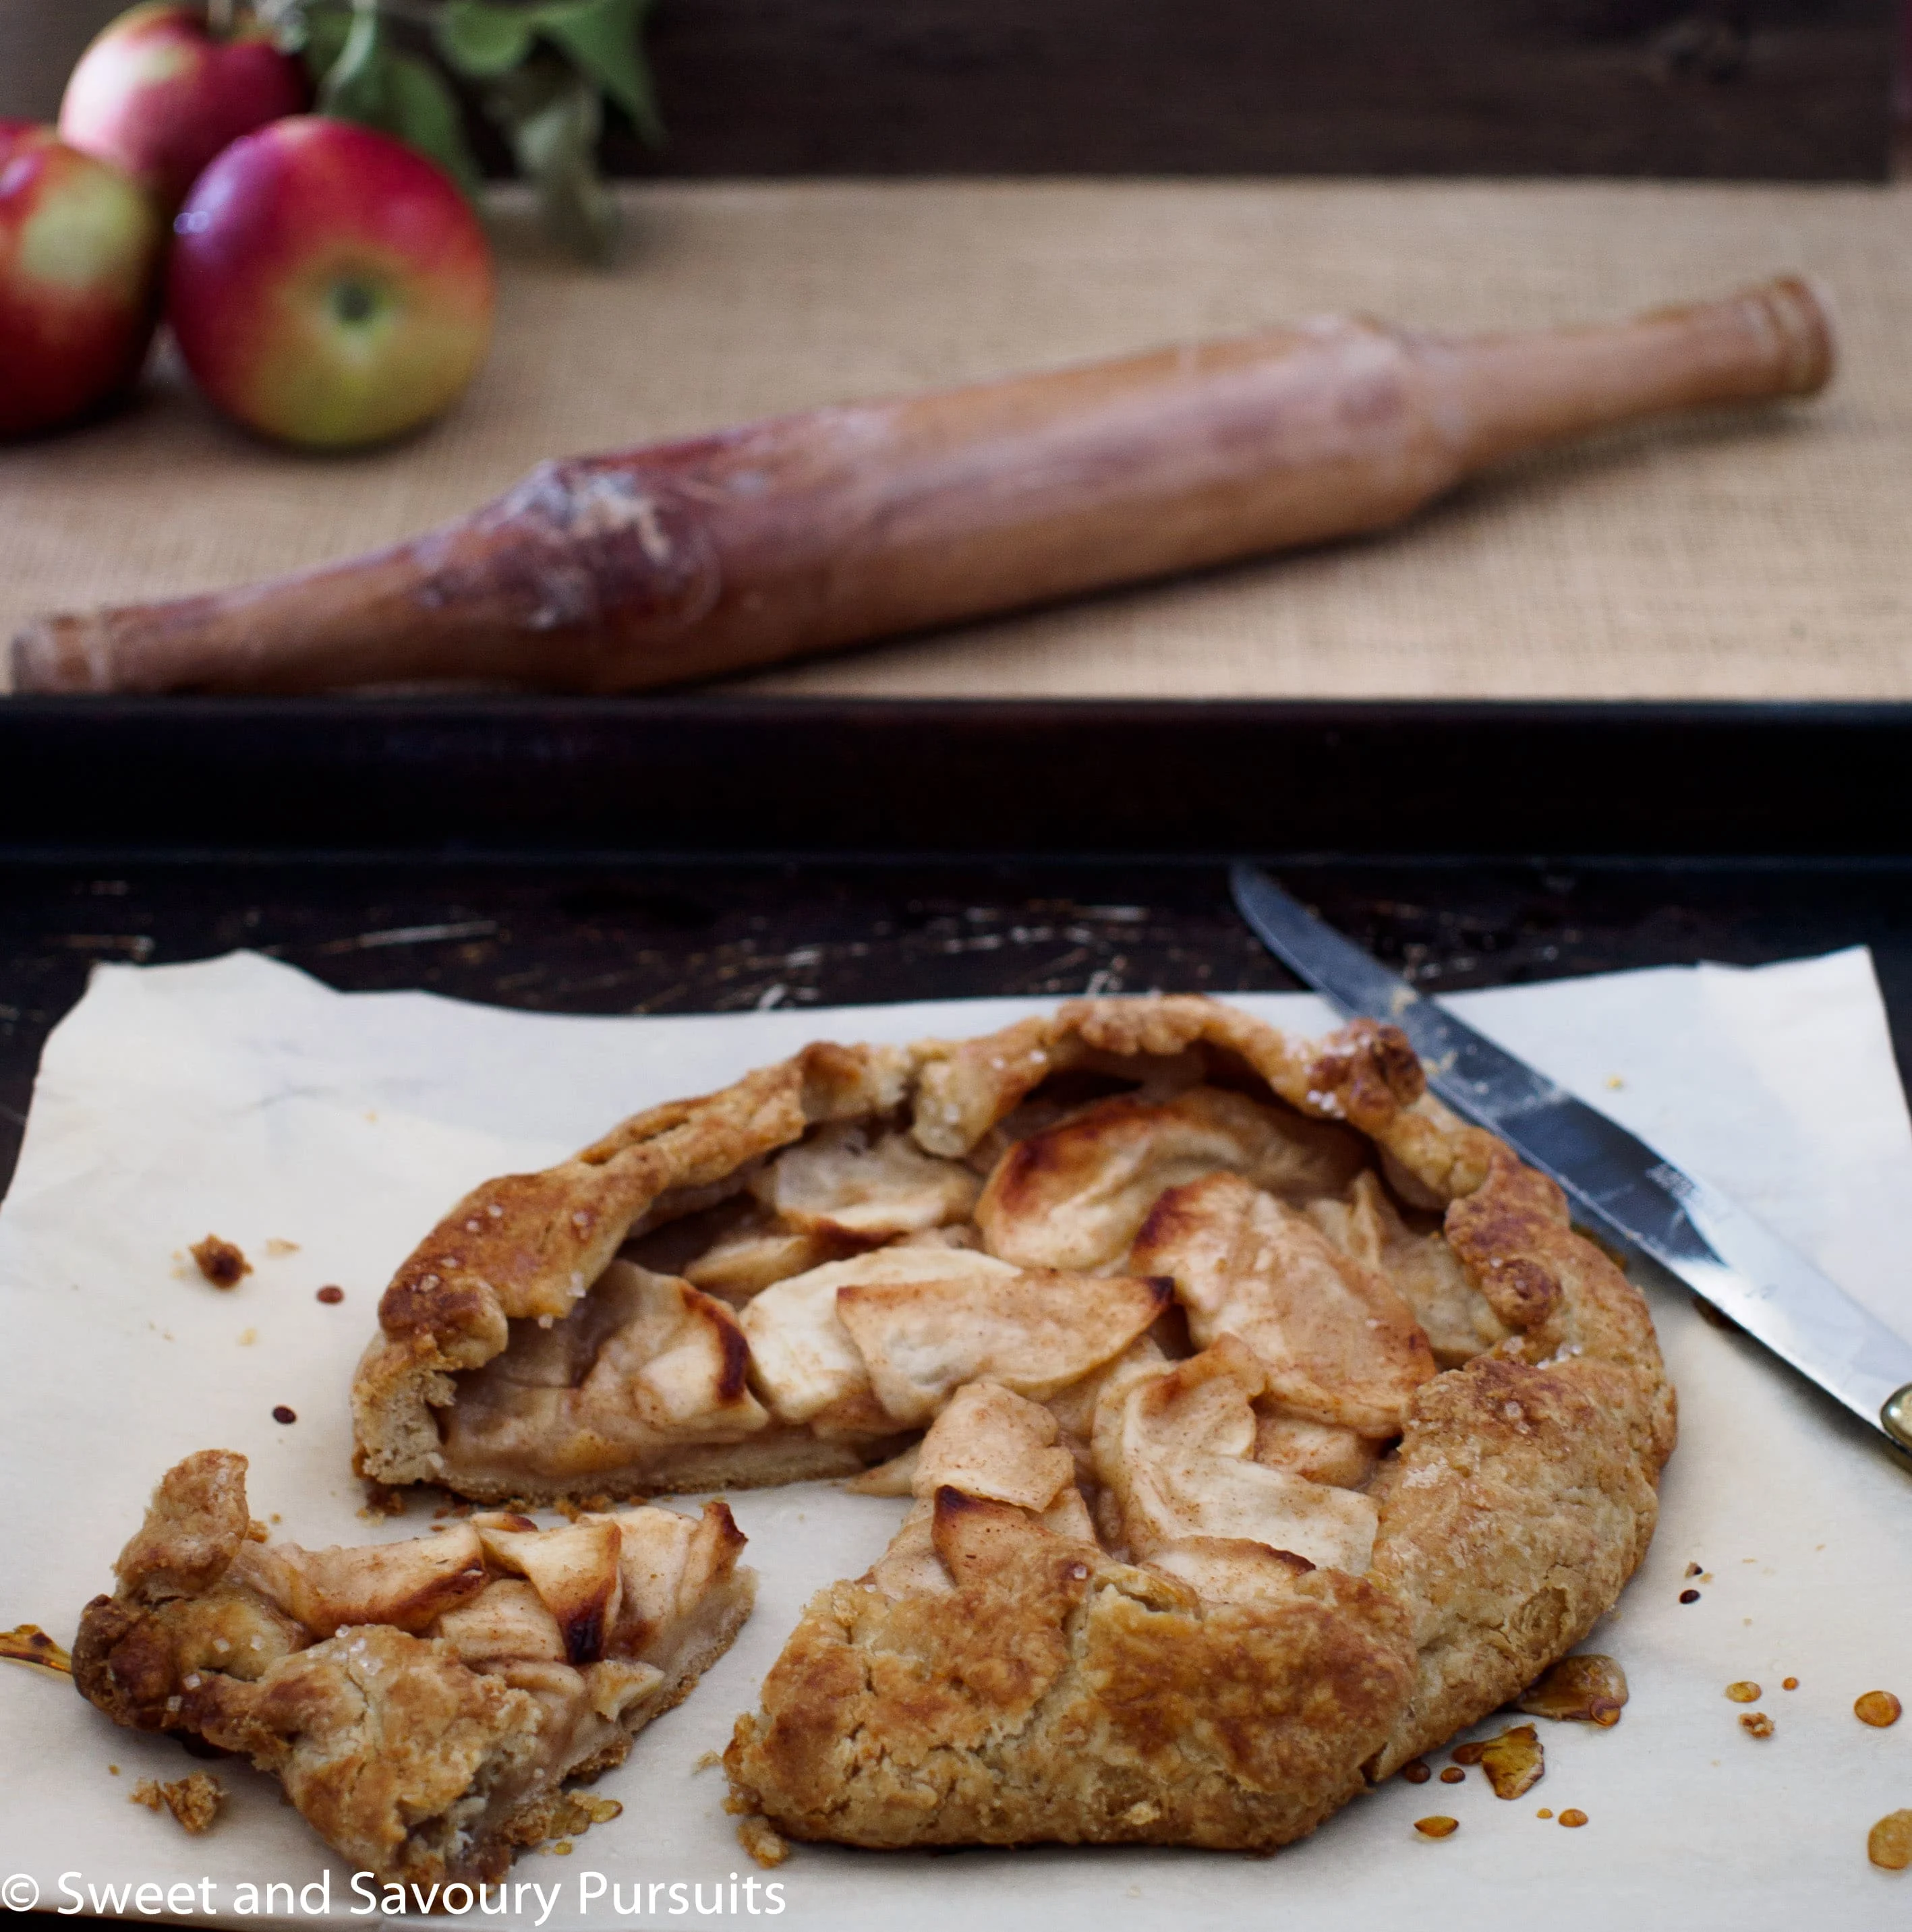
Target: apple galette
[422, 1702]
[1277, 1423]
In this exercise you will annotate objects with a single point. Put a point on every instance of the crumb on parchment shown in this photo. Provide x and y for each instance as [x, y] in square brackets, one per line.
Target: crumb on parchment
[1756, 1724]
[222, 1262]
[763, 1841]
[193, 1800]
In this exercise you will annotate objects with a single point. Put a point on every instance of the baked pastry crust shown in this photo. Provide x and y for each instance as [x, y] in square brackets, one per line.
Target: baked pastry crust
[423, 1703]
[1351, 1436]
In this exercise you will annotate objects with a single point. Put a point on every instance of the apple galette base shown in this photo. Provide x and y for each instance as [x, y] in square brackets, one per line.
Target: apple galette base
[1142, 1637]
[422, 1702]
[1278, 1423]
[787, 1279]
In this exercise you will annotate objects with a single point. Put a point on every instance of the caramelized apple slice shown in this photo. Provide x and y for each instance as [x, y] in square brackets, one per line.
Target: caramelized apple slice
[1339, 1344]
[851, 1178]
[575, 1571]
[1074, 1196]
[1036, 1334]
[803, 1361]
[1175, 1445]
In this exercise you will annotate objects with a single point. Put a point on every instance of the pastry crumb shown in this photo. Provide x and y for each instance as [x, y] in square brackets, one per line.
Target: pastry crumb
[222, 1262]
[382, 1500]
[1437, 1828]
[573, 1509]
[1756, 1724]
[1877, 1708]
[1589, 1689]
[763, 1841]
[193, 1800]
[247, 1337]
[708, 1760]
[1745, 1691]
[1889, 1843]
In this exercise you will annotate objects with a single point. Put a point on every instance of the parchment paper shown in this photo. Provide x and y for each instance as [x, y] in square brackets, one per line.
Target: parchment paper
[239, 1097]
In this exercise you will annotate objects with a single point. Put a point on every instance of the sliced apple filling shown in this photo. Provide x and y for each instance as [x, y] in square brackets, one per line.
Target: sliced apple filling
[814, 1260]
[422, 1702]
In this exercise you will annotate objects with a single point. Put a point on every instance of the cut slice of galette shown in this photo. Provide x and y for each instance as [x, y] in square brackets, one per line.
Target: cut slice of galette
[422, 1702]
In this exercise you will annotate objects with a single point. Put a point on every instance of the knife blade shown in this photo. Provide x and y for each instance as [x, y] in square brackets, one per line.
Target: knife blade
[1620, 1186]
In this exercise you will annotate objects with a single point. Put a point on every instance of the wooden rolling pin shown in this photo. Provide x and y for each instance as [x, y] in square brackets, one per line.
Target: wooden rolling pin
[687, 560]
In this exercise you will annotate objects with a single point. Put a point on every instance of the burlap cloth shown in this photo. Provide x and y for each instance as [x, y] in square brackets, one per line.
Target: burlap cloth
[1763, 555]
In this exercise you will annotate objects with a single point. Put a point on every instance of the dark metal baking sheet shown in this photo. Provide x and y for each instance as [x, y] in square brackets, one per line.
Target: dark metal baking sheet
[720, 776]
[711, 854]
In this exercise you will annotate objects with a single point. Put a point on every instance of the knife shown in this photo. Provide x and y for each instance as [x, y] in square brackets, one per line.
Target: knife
[1621, 1187]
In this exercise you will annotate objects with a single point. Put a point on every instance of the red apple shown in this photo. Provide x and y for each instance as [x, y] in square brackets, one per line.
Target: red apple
[80, 249]
[330, 286]
[158, 94]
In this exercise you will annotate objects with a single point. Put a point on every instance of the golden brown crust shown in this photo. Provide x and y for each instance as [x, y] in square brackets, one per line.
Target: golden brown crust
[1056, 1694]
[422, 1703]
[527, 1246]
[1518, 1502]
[1320, 1217]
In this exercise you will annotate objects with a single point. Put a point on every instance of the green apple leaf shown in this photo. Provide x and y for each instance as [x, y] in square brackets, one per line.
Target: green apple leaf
[423, 112]
[372, 82]
[552, 117]
[322, 36]
[482, 41]
[602, 39]
[353, 87]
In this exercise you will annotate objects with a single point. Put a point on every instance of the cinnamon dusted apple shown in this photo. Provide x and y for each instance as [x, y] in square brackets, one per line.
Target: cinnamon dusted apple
[422, 1702]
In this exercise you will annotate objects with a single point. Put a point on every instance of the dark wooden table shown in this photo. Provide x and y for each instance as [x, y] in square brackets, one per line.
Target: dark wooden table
[617, 937]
